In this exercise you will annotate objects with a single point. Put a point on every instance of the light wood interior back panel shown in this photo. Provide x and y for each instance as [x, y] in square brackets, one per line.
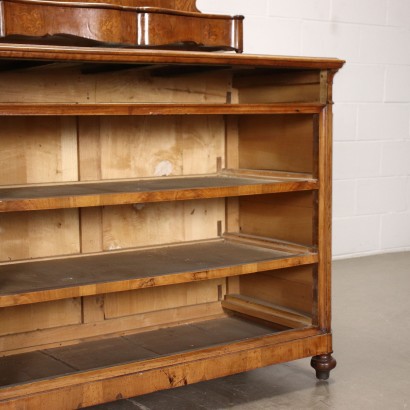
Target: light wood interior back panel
[38, 316]
[38, 149]
[133, 147]
[159, 223]
[287, 216]
[163, 298]
[111, 314]
[69, 84]
[26, 235]
[276, 142]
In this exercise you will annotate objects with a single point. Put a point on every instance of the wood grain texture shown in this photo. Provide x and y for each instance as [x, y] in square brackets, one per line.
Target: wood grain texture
[186, 5]
[77, 23]
[38, 150]
[28, 235]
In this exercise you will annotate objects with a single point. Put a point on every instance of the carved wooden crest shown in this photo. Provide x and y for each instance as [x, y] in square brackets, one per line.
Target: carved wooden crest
[170, 24]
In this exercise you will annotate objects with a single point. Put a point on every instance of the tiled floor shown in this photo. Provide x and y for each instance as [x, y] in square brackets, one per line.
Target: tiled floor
[371, 322]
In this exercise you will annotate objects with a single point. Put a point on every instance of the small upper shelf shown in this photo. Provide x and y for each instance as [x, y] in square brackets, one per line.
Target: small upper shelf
[158, 109]
[86, 194]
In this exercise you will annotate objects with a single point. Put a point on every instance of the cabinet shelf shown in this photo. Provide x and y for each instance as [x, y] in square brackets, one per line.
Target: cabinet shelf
[59, 365]
[158, 109]
[40, 281]
[77, 195]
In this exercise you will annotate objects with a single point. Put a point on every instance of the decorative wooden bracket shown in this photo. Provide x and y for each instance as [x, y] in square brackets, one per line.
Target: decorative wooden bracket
[163, 24]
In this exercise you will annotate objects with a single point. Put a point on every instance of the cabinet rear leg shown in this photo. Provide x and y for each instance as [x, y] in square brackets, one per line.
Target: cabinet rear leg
[323, 364]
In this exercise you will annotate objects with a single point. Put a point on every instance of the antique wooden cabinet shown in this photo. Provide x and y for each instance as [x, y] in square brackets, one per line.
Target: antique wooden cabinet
[165, 219]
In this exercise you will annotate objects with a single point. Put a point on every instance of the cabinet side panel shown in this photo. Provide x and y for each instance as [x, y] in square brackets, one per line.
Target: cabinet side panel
[26, 235]
[278, 86]
[283, 143]
[287, 217]
[290, 288]
[37, 150]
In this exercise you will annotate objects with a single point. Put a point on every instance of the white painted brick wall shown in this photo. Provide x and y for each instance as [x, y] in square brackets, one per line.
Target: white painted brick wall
[372, 111]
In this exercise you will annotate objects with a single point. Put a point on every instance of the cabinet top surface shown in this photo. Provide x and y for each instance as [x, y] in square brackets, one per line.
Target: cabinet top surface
[143, 56]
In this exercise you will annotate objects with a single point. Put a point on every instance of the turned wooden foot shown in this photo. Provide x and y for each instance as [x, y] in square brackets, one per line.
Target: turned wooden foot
[323, 364]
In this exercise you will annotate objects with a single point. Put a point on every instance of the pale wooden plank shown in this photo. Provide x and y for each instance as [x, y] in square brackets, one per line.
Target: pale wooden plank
[91, 230]
[96, 328]
[36, 150]
[70, 86]
[161, 298]
[27, 235]
[47, 315]
[147, 224]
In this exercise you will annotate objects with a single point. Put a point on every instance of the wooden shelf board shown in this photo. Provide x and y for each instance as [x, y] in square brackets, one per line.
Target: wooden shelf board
[40, 281]
[75, 361]
[141, 56]
[157, 109]
[90, 355]
[77, 195]
[135, 378]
